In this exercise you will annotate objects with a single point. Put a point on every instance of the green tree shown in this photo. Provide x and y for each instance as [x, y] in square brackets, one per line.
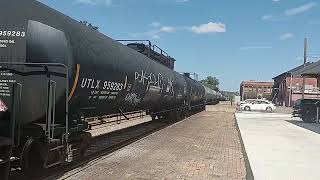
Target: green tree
[211, 82]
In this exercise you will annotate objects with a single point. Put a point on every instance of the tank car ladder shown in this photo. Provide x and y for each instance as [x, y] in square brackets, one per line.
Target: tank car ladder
[54, 144]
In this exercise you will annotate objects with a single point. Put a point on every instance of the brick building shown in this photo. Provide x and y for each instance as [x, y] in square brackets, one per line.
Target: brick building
[288, 86]
[256, 90]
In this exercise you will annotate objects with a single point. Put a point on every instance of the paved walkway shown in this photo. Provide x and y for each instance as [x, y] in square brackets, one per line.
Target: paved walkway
[280, 147]
[204, 146]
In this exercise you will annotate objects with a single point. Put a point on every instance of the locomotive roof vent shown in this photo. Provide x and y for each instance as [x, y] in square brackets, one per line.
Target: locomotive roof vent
[150, 50]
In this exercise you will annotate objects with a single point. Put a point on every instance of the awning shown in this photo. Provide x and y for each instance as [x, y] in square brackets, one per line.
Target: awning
[312, 70]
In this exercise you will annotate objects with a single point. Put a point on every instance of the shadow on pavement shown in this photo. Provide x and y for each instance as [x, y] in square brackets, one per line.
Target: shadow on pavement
[285, 110]
[314, 127]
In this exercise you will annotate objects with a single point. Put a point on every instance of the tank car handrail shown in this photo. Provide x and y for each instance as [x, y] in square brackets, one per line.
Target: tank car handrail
[67, 86]
[135, 40]
[138, 40]
[152, 52]
[162, 52]
[35, 64]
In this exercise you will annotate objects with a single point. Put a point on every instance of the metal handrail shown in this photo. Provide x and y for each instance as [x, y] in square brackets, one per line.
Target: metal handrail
[154, 50]
[18, 125]
[138, 40]
[45, 65]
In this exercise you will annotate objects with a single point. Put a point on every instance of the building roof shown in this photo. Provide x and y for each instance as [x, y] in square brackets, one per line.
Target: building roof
[312, 70]
[295, 70]
[257, 83]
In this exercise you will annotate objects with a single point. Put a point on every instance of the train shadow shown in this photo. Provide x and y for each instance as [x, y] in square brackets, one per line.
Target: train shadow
[314, 127]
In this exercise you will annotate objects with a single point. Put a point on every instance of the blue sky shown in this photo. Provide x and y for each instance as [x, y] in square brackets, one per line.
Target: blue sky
[234, 40]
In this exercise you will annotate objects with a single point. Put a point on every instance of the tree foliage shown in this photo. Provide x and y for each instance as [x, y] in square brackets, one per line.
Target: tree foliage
[211, 82]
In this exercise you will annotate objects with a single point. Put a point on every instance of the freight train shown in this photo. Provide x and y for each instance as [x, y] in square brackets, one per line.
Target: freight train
[55, 71]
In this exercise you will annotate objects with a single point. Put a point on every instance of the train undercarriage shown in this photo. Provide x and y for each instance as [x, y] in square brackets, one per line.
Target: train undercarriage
[35, 152]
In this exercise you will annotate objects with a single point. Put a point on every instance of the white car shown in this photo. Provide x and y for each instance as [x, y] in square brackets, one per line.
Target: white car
[247, 101]
[258, 105]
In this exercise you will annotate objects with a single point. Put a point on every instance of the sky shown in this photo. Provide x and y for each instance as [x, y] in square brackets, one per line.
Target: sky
[233, 40]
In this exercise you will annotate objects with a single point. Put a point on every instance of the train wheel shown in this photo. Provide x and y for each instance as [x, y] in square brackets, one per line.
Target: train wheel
[85, 142]
[187, 112]
[5, 167]
[32, 159]
[183, 113]
[173, 115]
[180, 115]
[4, 170]
[154, 117]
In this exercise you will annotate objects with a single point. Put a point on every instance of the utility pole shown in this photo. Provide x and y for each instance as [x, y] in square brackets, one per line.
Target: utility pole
[290, 100]
[304, 64]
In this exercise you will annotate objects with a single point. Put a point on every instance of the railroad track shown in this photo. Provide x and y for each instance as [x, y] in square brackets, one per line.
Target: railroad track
[101, 146]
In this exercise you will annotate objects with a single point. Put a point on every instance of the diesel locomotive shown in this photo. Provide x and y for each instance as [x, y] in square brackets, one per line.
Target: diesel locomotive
[55, 71]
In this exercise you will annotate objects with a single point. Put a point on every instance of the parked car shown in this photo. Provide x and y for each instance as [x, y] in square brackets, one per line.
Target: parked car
[306, 109]
[302, 104]
[247, 101]
[258, 105]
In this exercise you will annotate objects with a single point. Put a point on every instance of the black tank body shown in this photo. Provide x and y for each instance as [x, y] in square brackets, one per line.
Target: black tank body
[104, 75]
[196, 92]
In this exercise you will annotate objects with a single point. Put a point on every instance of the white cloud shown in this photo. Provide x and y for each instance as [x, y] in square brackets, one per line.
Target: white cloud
[168, 29]
[209, 28]
[155, 24]
[107, 3]
[157, 31]
[289, 12]
[300, 9]
[286, 36]
[255, 47]
[270, 17]
[87, 2]
[267, 17]
[182, 1]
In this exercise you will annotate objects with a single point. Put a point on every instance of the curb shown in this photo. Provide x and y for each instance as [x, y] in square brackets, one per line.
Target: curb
[249, 174]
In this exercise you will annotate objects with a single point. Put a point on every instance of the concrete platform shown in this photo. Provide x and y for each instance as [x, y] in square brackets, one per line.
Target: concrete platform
[280, 147]
[203, 146]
